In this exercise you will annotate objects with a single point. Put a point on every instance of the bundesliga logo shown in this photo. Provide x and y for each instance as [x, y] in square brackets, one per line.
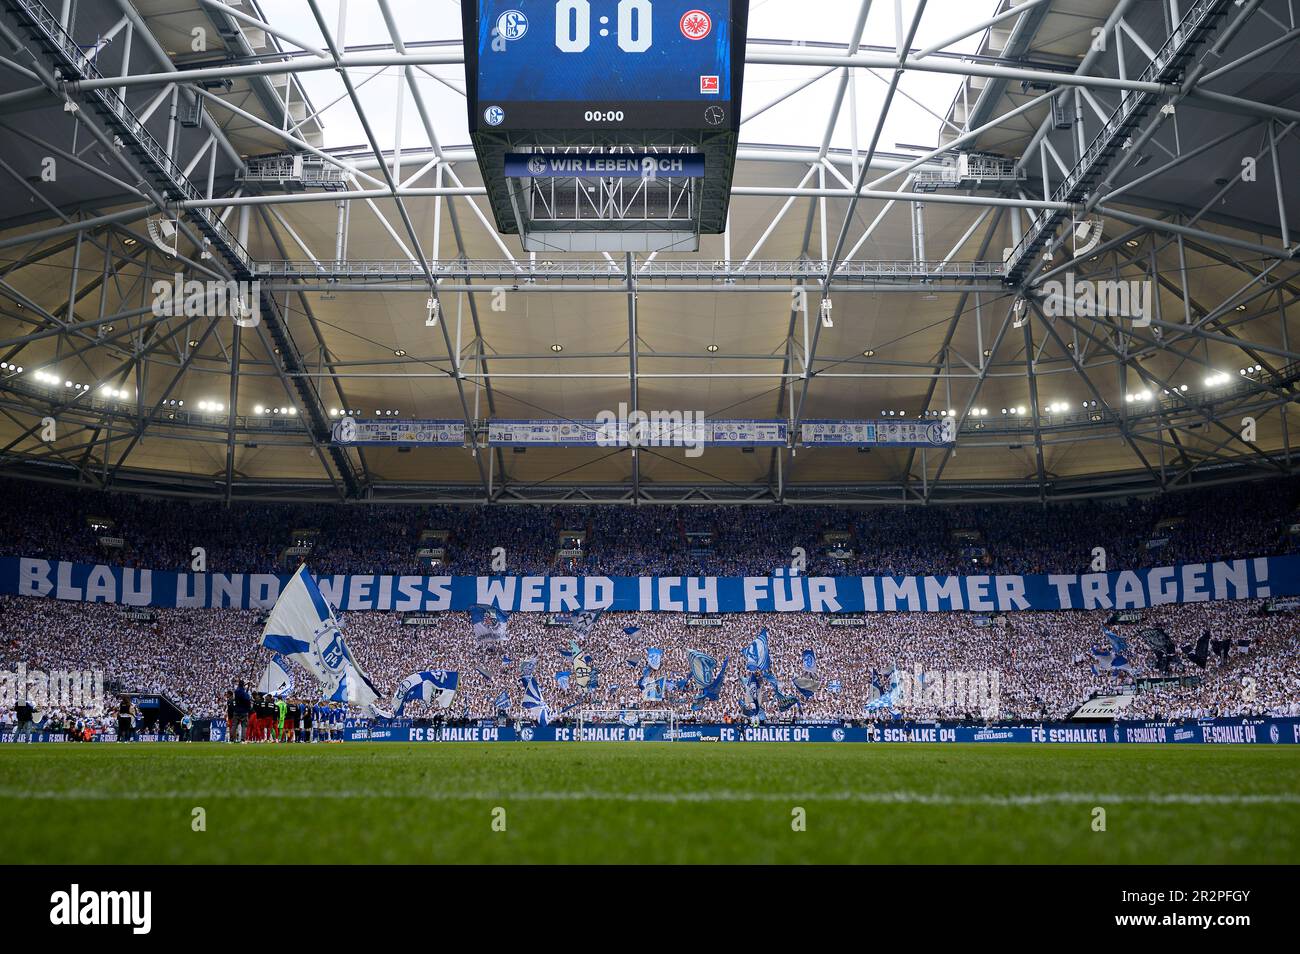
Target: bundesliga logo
[696, 24]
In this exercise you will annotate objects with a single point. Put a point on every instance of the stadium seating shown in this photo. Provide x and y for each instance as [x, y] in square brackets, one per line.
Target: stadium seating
[1245, 520]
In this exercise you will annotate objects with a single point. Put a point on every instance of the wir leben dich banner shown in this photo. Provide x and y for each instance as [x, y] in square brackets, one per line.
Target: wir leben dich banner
[782, 592]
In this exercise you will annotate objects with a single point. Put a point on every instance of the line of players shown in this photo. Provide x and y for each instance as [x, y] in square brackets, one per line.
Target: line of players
[260, 717]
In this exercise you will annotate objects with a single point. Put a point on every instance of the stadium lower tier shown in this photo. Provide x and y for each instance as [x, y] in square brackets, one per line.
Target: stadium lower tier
[1028, 666]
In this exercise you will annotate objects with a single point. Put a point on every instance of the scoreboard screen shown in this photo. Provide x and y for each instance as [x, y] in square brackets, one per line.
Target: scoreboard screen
[603, 64]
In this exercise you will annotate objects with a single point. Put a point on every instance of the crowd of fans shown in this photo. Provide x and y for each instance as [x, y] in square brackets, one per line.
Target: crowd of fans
[59, 523]
[1043, 661]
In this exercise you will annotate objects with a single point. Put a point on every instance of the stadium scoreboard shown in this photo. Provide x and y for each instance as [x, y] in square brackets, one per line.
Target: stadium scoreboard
[602, 78]
[603, 64]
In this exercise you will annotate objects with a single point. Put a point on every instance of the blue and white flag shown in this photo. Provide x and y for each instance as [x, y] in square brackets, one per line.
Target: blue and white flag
[834, 686]
[562, 679]
[1118, 644]
[757, 657]
[652, 690]
[534, 704]
[502, 701]
[654, 657]
[429, 685]
[710, 692]
[751, 695]
[490, 624]
[302, 628]
[276, 680]
[809, 661]
[885, 700]
[631, 631]
[703, 668]
[528, 667]
[1104, 661]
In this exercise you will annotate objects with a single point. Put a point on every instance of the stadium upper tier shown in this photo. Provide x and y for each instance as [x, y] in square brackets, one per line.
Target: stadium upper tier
[1239, 520]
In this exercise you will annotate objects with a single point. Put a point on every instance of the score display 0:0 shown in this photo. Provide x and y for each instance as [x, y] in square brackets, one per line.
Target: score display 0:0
[573, 25]
[603, 116]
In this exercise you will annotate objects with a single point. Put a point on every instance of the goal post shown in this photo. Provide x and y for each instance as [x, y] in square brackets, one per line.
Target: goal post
[629, 718]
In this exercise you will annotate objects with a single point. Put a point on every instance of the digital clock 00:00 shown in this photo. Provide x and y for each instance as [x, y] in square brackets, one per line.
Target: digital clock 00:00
[603, 116]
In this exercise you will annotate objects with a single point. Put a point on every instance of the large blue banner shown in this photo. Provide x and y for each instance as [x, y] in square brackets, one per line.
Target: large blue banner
[782, 593]
[1280, 731]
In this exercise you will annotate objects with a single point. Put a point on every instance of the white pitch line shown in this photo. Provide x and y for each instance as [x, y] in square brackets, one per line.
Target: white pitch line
[671, 798]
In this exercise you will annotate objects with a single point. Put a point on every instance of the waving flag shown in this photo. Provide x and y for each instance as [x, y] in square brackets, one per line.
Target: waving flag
[276, 680]
[654, 657]
[631, 631]
[1118, 644]
[584, 673]
[581, 622]
[430, 685]
[834, 686]
[783, 699]
[302, 628]
[703, 667]
[1105, 661]
[528, 667]
[809, 661]
[562, 679]
[711, 691]
[757, 657]
[751, 695]
[534, 704]
[885, 700]
[806, 685]
[502, 701]
[652, 690]
[1199, 652]
[490, 624]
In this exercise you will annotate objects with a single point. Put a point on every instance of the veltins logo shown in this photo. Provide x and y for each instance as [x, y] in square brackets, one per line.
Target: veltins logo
[77, 907]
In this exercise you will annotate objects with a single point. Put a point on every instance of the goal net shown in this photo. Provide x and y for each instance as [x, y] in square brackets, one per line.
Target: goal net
[656, 723]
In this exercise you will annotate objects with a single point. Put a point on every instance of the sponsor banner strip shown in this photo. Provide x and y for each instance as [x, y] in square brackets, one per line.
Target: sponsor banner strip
[1267, 731]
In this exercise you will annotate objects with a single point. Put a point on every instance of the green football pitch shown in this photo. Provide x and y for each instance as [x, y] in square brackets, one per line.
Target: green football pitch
[648, 802]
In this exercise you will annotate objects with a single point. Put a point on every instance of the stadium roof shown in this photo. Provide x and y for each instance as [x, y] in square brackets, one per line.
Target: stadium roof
[1176, 141]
